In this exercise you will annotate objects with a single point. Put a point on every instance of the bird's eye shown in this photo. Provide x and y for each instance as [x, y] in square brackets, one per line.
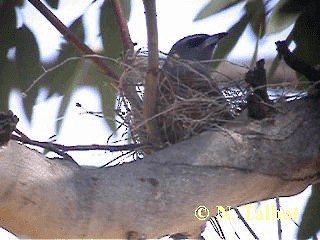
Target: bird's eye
[195, 41]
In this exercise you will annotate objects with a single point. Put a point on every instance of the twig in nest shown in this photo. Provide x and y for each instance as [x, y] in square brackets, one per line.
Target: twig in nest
[257, 80]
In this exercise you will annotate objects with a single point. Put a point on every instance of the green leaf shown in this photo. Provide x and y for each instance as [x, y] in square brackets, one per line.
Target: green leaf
[310, 223]
[8, 28]
[75, 78]
[110, 33]
[53, 3]
[28, 65]
[8, 77]
[257, 12]
[65, 79]
[283, 16]
[306, 34]
[227, 43]
[108, 99]
[59, 81]
[113, 48]
[215, 6]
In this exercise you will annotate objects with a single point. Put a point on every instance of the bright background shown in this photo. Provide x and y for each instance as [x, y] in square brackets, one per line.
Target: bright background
[175, 20]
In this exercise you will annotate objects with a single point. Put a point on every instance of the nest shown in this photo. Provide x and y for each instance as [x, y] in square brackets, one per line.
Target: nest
[188, 103]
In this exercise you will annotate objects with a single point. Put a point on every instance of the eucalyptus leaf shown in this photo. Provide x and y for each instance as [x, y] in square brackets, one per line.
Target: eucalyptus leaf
[57, 81]
[65, 79]
[53, 3]
[282, 17]
[8, 28]
[107, 94]
[215, 6]
[8, 78]
[306, 34]
[28, 65]
[227, 43]
[257, 12]
[108, 100]
[75, 78]
[110, 33]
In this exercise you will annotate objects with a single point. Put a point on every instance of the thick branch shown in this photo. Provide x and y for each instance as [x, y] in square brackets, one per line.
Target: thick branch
[246, 161]
[70, 36]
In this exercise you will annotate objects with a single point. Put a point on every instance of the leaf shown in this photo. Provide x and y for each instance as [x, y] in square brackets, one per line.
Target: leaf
[113, 48]
[8, 78]
[110, 33]
[28, 65]
[108, 99]
[283, 16]
[53, 3]
[58, 80]
[306, 34]
[74, 80]
[8, 28]
[310, 223]
[65, 79]
[227, 43]
[257, 12]
[215, 6]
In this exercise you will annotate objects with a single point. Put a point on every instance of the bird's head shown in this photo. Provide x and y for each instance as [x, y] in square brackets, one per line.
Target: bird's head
[197, 47]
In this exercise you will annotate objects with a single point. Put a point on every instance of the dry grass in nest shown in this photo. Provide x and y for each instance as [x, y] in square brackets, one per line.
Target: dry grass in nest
[186, 107]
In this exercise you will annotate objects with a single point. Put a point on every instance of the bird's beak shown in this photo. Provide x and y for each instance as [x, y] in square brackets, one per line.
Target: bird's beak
[212, 40]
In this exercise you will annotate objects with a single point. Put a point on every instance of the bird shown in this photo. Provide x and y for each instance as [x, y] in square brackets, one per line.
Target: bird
[189, 100]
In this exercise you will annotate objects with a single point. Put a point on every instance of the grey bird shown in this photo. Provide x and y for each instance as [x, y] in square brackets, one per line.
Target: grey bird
[188, 96]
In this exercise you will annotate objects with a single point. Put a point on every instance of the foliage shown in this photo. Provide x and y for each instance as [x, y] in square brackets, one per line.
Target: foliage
[65, 79]
[265, 17]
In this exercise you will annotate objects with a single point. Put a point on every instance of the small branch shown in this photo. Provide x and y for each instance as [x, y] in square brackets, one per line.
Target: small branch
[245, 223]
[217, 227]
[70, 36]
[122, 21]
[296, 63]
[46, 145]
[151, 85]
[279, 219]
[59, 148]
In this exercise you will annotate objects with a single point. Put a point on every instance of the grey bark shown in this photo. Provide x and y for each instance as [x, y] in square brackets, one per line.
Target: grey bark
[245, 161]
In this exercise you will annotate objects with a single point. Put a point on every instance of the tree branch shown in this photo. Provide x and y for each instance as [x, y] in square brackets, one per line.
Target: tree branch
[122, 22]
[151, 85]
[70, 36]
[297, 64]
[246, 161]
